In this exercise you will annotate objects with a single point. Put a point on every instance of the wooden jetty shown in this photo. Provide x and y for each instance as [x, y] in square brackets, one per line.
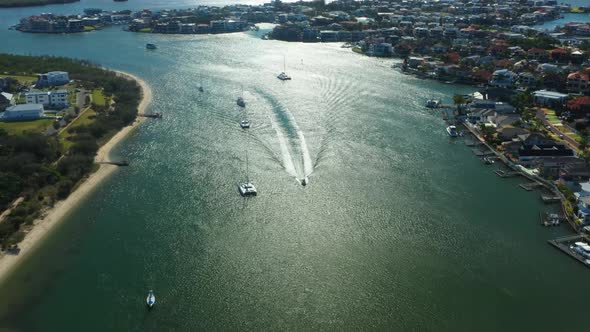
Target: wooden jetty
[473, 143]
[116, 163]
[156, 115]
[563, 244]
[530, 186]
[504, 174]
[550, 199]
[481, 153]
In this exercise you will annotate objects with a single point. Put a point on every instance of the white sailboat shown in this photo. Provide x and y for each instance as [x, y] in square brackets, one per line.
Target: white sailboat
[283, 75]
[151, 299]
[247, 188]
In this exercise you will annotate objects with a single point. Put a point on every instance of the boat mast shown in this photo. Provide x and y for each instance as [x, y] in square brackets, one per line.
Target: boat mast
[247, 169]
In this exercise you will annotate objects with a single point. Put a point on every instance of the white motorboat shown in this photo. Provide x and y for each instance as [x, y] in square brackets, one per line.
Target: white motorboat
[433, 103]
[151, 299]
[247, 189]
[283, 75]
[452, 131]
[245, 124]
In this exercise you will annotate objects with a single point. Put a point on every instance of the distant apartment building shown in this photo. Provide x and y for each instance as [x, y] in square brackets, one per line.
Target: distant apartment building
[58, 98]
[54, 78]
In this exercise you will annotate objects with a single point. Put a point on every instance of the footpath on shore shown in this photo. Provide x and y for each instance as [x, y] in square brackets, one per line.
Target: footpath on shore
[53, 216]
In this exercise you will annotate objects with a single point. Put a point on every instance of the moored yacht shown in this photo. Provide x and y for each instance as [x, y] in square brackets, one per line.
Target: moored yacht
[151, 299]
[452, 131]
[433, 103]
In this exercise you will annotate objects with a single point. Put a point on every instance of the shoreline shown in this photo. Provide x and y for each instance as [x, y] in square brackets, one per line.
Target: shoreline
[53, 216]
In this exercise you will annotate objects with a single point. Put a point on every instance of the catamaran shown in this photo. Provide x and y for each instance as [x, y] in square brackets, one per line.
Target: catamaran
[283, 75]
[151, 299]
[247, 188]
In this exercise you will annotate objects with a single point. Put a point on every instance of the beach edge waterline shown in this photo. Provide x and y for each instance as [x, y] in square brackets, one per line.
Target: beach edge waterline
[53, 216]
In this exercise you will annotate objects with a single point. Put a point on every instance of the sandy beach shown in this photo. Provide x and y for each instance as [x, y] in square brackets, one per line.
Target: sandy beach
[53, 216]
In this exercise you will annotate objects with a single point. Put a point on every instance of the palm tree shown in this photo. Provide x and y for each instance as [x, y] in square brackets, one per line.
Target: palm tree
[458, 100]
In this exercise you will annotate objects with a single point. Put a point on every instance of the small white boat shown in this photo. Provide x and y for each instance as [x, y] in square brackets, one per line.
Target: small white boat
[151, 299]
[433, 103]
[488, 161]
[247, 189]
[245, 124]
[452, 131]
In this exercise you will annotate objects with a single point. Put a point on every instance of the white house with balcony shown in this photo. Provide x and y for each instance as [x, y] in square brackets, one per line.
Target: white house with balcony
[56, 98]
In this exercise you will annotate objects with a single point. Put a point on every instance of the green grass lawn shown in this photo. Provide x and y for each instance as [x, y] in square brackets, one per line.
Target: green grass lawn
[17, 128]
[84, 119]
[146, 30]
[98, 97]
[89, 28]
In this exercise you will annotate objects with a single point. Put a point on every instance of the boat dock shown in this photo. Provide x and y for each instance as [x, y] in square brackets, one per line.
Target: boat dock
[116, 163]
[504, 174]
[564, 243]
[530, 186]
[156, 115]
[481, 153]
[550, 199]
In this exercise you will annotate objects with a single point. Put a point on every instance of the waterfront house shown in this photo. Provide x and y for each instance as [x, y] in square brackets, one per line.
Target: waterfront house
[547, 154]
[55, 98]
[23, 112]
[578, 82]
[509, 133]
[503, 78]
[549, 98]
[54, 78]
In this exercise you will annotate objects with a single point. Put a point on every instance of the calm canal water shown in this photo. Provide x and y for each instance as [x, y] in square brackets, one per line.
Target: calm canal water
[400, 228]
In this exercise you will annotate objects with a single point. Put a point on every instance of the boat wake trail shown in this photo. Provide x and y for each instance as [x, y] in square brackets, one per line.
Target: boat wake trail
[294, 150]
